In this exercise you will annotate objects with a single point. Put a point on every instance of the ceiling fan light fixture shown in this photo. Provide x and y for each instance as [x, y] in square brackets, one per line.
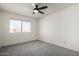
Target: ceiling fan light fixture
[36, 11]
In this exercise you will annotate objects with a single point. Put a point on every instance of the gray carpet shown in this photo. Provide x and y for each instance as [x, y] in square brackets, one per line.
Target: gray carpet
[36, 48]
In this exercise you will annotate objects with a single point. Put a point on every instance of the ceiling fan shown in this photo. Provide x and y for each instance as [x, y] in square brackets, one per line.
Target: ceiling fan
[37, 9]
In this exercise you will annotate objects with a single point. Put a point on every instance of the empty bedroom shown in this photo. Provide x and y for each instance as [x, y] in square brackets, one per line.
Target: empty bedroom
[39, 29]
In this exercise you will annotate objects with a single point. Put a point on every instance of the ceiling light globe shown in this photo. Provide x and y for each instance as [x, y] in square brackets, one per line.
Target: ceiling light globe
[36, 11]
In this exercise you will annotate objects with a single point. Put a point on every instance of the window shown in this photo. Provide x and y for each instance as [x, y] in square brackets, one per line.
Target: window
[19, 26]
[25, 26]
[15, 26]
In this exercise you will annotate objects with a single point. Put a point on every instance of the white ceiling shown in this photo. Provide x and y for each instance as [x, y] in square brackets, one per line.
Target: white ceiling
[27, 8]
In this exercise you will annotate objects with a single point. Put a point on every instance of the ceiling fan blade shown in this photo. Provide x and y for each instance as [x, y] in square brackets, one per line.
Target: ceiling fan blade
[41, 12]
[36, 6]
[33, 5]
[44, 7]
[33, 13]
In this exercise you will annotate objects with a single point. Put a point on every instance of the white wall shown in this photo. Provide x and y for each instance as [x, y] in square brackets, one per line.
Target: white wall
[61, 28]
[11, 38]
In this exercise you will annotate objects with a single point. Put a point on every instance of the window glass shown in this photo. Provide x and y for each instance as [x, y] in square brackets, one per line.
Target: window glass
[26, 26]
[15, 26]
[19, 26]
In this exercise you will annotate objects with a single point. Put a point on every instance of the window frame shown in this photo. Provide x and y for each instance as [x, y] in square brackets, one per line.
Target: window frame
[21, 25]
